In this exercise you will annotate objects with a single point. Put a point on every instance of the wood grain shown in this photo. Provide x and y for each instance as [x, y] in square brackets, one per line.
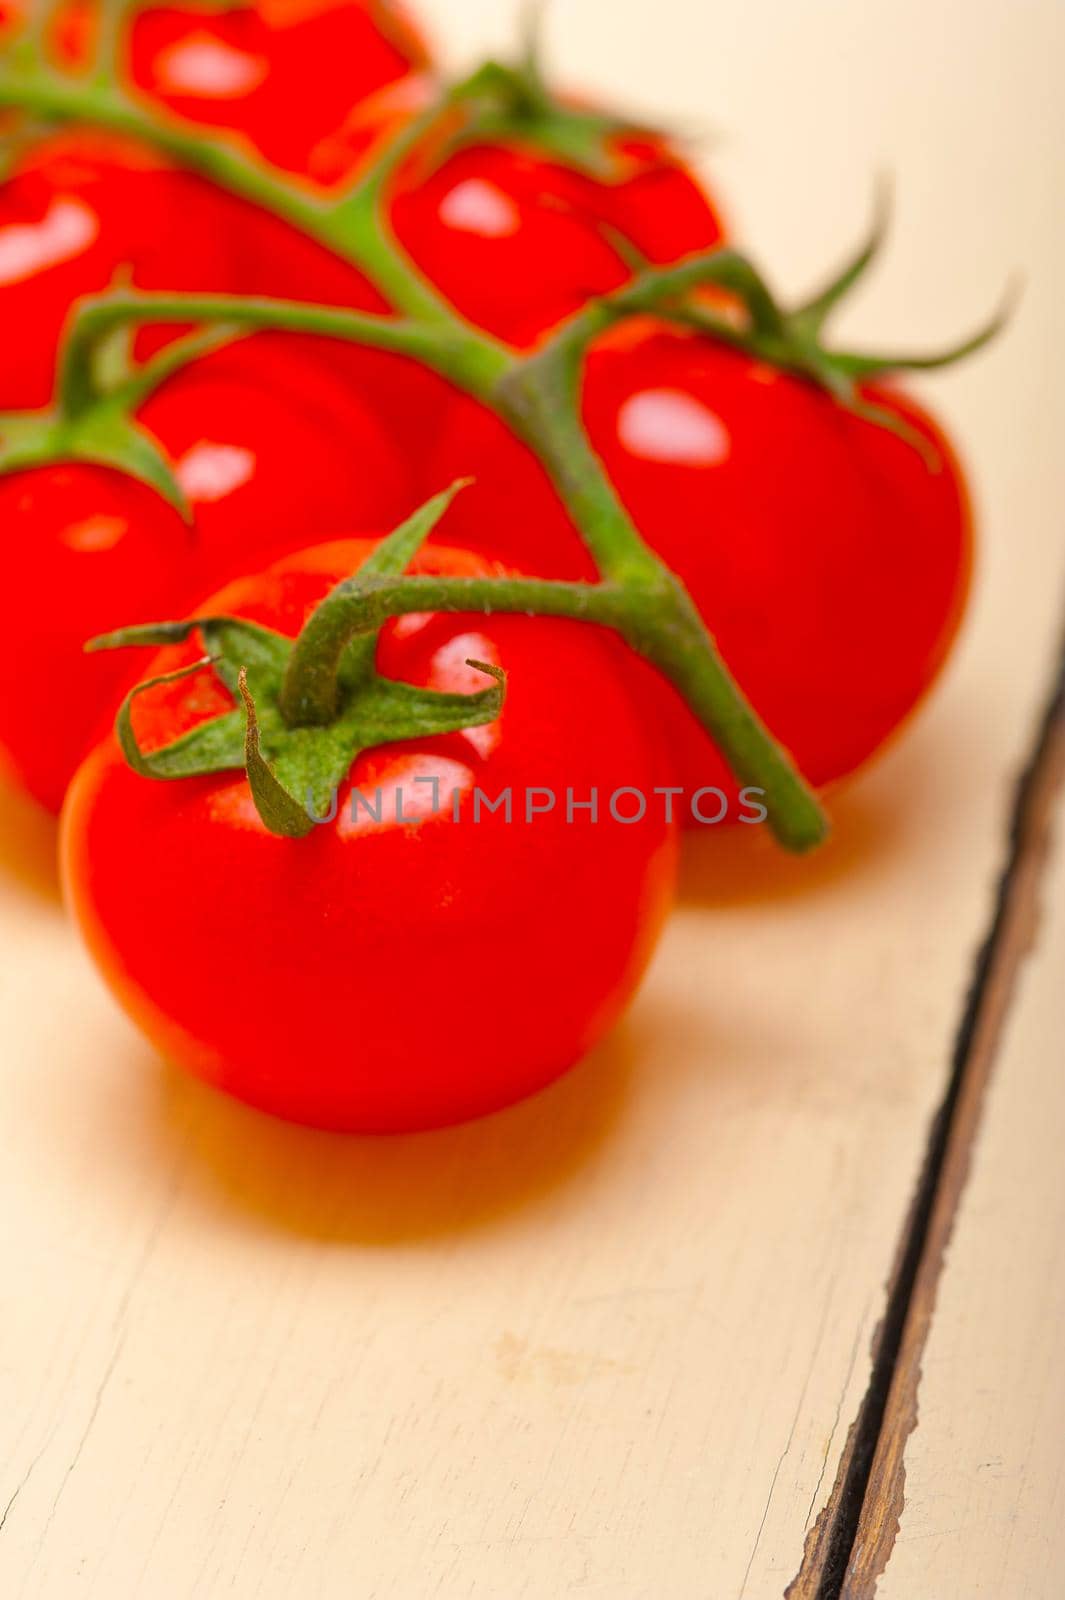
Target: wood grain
[612, 1342]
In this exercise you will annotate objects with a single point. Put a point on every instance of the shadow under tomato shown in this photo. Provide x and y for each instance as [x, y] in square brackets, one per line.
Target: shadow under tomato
[28, 836]
[872, 819]
[375, 1191]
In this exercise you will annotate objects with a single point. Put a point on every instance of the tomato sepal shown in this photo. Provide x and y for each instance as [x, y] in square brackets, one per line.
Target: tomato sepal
[105, 435]
[295, 768]
[753, 320]
[215, 746]
[279, 810]
[512, 104]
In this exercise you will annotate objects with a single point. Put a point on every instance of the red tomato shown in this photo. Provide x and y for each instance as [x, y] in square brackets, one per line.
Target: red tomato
[490, 229]
[391, 976]
[284, 73]
[829, 557]
[516, 240]
[273, 453]
[511, 507]
[81, 210]
[87, 550]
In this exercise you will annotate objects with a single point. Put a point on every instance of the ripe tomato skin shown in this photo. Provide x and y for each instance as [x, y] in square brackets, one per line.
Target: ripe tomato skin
[271, 257]
[511, 509]
[658, 206]
[518, 241]
[382, 978]
[283, 73]
[86, 550]
[80, 210]
[830, 559]
[274, 451]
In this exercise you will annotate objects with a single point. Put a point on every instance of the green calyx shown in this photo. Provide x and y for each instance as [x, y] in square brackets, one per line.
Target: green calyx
[105, 436]
[513, 103]
[295, 767]
[793, 340]
[93, 418]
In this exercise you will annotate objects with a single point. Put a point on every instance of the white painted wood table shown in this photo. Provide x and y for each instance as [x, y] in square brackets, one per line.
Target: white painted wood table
[691, 1325]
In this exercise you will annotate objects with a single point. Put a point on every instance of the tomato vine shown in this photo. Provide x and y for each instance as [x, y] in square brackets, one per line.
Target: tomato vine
[538, 394]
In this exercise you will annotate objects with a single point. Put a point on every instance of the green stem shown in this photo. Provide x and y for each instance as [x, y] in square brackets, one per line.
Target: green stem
[665, 628]
[52, 96]
[540, 398]
[152, 374]
[362, 209]
[658, 286]
[365, 604]
[471, 360]
[359, 227]
[675, 640]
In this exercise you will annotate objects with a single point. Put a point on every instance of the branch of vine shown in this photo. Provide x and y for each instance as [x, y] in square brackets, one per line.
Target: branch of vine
[538, 394]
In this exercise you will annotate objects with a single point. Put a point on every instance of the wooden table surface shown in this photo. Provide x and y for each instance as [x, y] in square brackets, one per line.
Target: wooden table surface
[770, 1292]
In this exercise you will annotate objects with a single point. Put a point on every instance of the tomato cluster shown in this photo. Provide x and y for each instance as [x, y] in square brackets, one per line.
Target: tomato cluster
[369, 976]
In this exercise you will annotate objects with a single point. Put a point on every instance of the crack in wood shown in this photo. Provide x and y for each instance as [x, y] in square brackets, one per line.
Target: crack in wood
[849, 1545]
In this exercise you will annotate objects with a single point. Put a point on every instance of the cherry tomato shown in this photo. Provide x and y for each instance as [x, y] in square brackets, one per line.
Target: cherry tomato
[513, 237]
[86, 550]
[273, 452]
[518, 244]
[81, 211]
[830, 557]
[284, 73]
[393, 975]
[490, 230]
